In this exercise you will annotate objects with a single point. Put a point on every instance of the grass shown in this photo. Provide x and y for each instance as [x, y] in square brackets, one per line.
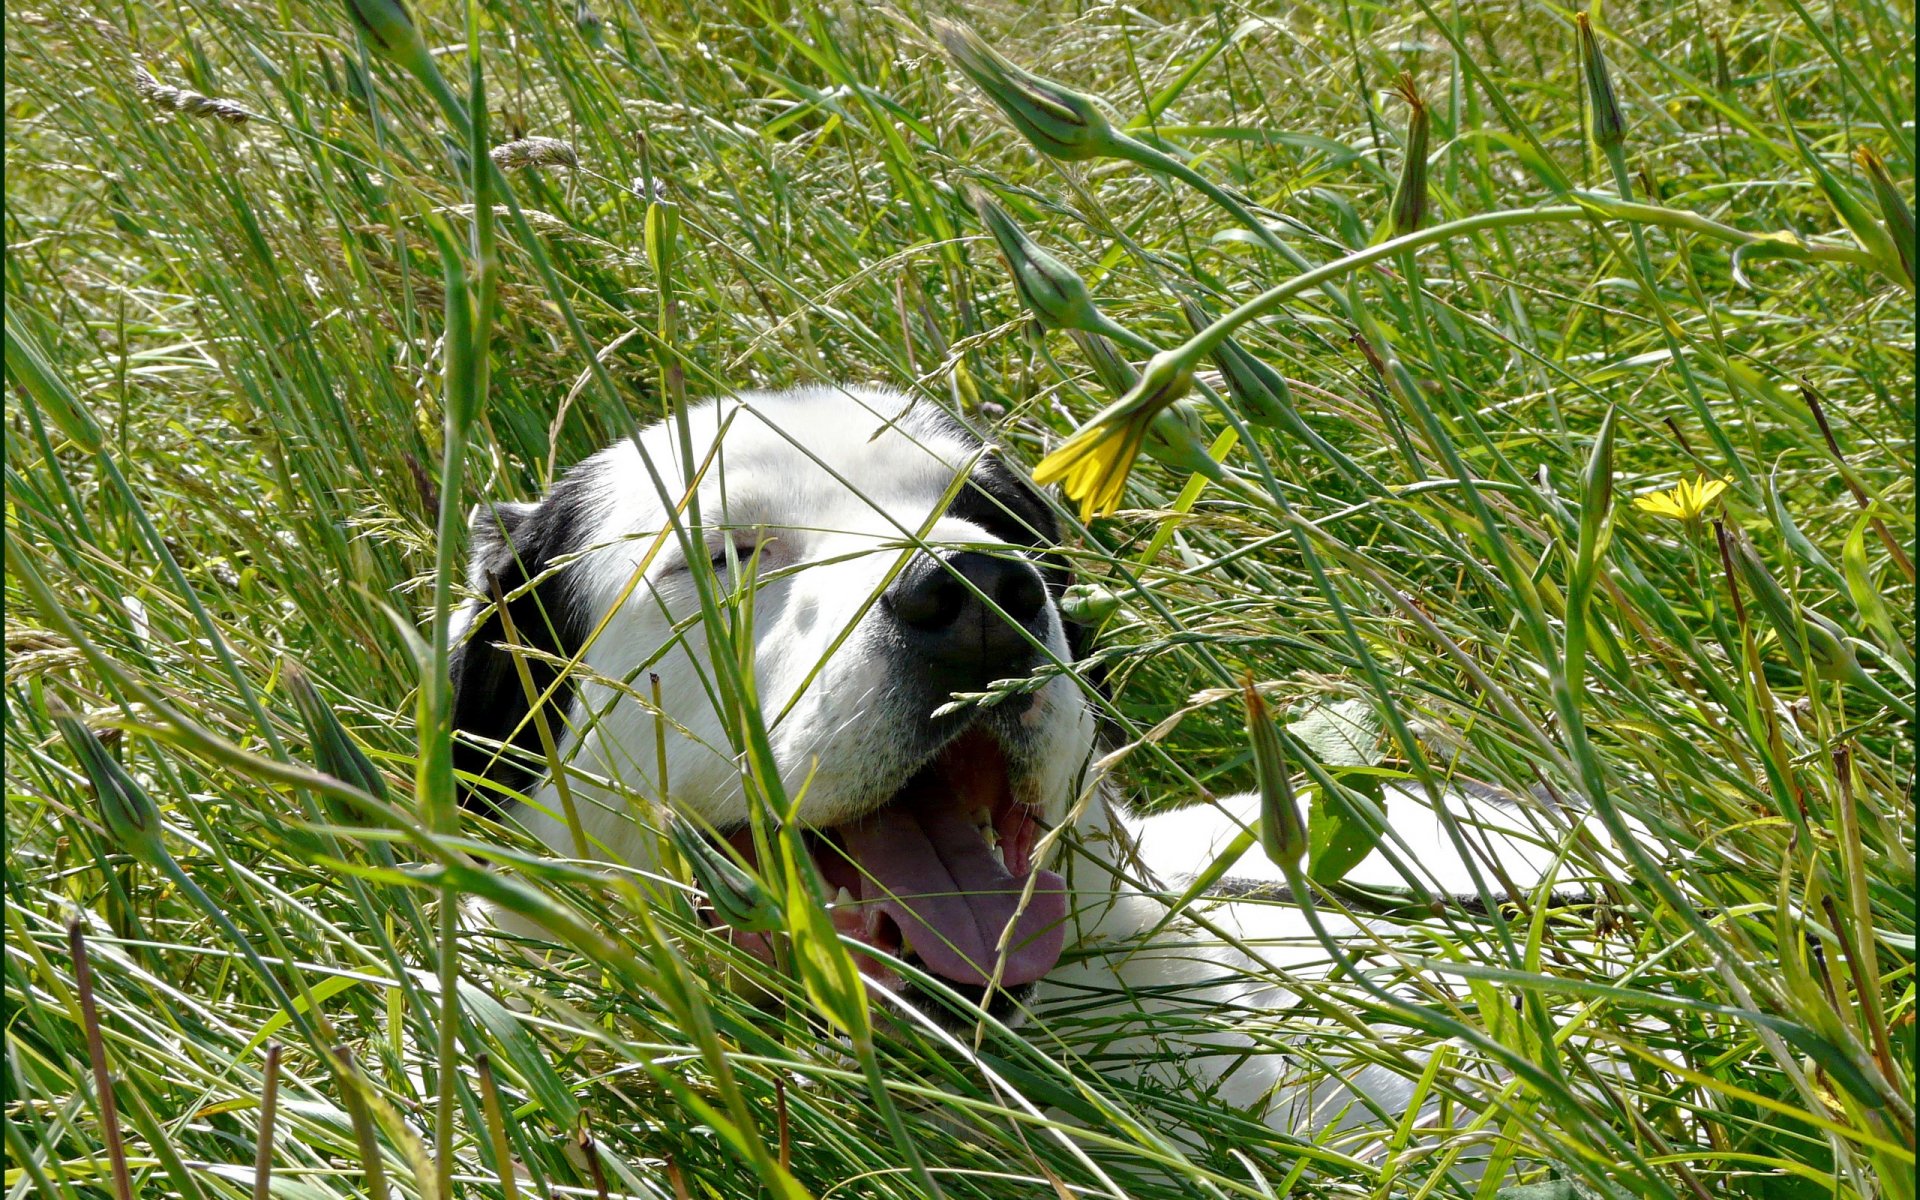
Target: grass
[247, 295]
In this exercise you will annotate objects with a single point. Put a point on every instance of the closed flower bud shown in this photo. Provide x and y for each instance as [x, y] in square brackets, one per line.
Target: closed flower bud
[1088, 603]
[1061, 123]
[131, 818]
[1893, 206]
[1110, 366]
[1283, 834]
[1609, 124]
[1409, 210]
[387, 27]
[1722, 67]
[333, 751]
[1177, 438]
[1260, 391]
[737, 897]
[1049, 288]
[1828, 655]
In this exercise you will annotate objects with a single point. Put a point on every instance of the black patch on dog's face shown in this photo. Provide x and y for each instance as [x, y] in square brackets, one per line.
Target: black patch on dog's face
[511, 544]
[1009, 508]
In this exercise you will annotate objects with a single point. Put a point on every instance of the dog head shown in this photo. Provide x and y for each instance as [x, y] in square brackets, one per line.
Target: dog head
[877, 559]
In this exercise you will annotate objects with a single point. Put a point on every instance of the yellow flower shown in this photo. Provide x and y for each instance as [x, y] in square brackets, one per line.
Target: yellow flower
[1092, 465]
[1687, 500]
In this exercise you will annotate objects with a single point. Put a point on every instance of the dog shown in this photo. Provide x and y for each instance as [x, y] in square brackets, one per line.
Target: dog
[881, 559]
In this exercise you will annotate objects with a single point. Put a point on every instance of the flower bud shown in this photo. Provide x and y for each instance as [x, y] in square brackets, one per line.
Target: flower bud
[736, 895]
[1409, 210]
[1283, 834]
[1722, 65]
[1059, 122]
[1893, 206]
[131, 818]
[1828, 655]
[1260, 391]
[1110, 366]
[333, 751]
[1049, 288]
[1177, 438]
[1609, 124]
[30, 371]
[388, 29]
[1088, 603]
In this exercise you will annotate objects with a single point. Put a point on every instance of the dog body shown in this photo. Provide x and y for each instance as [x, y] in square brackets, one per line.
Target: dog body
[877, 561]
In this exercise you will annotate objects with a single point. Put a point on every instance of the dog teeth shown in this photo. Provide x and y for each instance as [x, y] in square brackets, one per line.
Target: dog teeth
[843, 896]
[999, 852]
[983, 822]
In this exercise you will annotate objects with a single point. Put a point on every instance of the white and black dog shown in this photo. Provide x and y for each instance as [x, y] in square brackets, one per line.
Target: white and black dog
[897, 562]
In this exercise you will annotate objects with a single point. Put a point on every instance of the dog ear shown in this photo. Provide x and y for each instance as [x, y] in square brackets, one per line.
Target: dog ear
[491, 533]
[512, 546]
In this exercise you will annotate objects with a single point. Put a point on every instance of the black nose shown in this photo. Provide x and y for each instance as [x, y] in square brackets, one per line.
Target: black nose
[956, 633]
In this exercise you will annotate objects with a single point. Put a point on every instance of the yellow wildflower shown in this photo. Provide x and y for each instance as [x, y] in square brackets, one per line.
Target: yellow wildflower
[1687, 500]
[1092, 465]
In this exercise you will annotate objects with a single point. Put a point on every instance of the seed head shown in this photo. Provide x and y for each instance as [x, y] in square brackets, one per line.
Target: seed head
[1060, 122]
[534, 152]
[181, 100]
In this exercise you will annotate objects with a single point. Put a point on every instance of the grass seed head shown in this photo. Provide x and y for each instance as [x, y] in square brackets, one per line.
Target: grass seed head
[1060, 122]
[534, 152]
[182, 100]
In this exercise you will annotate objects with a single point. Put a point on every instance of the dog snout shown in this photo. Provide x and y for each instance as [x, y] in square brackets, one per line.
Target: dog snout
[941, 605]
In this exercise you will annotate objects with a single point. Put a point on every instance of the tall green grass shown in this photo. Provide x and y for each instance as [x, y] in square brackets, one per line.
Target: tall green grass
[261, 350]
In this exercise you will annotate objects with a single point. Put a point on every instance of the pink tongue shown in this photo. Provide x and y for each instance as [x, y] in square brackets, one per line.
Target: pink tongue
[927, 866]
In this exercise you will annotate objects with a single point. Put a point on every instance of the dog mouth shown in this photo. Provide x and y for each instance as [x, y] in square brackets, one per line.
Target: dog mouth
[942, 875]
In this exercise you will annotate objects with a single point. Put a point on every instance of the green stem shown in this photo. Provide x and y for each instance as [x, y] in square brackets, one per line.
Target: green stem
[1617, 159]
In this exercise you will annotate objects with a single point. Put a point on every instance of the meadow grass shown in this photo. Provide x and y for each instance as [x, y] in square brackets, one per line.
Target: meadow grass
[287, 292]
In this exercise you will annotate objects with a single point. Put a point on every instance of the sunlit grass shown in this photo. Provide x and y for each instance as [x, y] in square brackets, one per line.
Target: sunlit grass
[241, 248]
